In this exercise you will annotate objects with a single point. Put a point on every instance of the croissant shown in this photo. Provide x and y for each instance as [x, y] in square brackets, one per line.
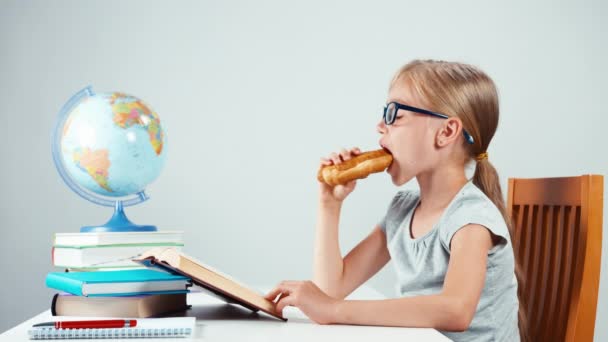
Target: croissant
[356, 168]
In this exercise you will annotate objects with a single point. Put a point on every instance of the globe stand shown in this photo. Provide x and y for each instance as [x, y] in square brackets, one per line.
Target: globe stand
[118, 223]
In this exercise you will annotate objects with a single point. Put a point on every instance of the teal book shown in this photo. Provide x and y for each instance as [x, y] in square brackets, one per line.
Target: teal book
[118, 283]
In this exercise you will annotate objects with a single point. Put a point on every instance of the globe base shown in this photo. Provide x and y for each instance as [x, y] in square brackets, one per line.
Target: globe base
[118, 223]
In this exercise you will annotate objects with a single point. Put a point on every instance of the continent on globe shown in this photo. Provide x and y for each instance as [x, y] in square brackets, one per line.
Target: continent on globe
[131, 113]
[95, 163]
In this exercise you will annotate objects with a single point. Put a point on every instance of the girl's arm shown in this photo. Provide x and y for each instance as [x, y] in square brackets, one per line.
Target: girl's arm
[338, 277]
[452, 309]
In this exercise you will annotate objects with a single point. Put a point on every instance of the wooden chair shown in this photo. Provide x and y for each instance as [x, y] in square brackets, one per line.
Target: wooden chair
[557, 239]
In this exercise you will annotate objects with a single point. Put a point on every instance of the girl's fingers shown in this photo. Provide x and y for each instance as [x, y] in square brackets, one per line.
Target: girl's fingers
[350, 185]
[283, 302]
[349, 154]
[335, 158]
[324, 162]
[344, 154]
[284, 288]
[272, 295]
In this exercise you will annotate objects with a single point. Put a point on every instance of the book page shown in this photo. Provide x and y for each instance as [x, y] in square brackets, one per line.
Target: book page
[222, 274]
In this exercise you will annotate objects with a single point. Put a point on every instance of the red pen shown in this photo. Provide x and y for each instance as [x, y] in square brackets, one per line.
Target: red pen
[107, 323]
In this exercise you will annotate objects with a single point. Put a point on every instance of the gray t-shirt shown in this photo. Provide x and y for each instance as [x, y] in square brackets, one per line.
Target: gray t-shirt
[421, 264]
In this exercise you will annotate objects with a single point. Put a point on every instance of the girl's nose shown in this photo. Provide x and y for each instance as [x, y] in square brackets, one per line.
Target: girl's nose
[381, 127]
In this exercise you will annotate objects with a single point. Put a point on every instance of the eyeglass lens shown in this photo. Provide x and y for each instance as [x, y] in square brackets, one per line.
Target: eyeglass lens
[389, 113]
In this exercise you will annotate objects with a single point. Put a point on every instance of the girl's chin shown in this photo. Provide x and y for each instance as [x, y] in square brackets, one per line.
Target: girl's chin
[393, 171]
[397, 176]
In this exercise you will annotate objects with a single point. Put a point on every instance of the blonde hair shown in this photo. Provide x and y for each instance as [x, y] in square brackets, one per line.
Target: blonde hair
[463, 91]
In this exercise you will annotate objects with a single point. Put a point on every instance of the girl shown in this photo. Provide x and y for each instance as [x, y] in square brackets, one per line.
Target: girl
[450, 241]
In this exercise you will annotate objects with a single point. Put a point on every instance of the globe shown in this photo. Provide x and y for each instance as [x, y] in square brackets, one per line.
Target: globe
[108, 147]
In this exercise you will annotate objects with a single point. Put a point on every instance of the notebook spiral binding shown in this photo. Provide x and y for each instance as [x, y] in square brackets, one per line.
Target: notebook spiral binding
[52, 333]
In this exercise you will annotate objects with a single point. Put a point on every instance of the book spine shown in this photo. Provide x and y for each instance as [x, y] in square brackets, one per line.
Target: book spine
[57, 282]
[54, 304]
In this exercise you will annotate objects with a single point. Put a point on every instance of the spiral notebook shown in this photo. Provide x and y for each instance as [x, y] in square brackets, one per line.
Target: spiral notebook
[146, 328]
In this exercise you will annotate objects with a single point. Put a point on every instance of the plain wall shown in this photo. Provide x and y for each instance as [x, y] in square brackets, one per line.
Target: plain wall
[253, 93]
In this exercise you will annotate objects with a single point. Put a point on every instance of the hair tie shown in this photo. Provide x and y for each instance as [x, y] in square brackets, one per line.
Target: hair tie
[481, 156]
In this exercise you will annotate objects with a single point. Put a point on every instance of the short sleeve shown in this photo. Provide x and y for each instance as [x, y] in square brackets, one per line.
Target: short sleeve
[475, 211]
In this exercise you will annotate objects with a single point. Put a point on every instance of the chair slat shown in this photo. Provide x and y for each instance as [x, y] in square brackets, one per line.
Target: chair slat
[543, 272]
[524, 252]
[565, 274]
[538, 275]
[534, 258]
[553, 283]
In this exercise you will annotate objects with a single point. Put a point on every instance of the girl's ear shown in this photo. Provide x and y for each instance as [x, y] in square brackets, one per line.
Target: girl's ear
[449, 132]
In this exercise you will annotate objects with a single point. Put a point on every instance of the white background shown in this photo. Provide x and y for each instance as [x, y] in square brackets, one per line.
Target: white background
[253, 93]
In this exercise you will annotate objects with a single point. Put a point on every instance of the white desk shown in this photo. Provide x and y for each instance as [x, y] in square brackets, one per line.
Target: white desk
[217, 321]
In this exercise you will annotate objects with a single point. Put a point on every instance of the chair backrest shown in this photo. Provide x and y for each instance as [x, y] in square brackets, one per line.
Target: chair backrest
[557, 240]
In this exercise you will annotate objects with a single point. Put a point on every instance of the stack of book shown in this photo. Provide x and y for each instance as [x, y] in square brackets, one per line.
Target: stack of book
[101, 279]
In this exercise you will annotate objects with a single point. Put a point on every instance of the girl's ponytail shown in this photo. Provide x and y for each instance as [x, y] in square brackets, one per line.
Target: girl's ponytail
[486, 179]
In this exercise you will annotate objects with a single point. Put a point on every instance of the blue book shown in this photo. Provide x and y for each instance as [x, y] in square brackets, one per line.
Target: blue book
[117, 283]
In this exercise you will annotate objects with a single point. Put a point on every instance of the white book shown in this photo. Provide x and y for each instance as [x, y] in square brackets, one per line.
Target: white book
[115, 238]
[101, 256]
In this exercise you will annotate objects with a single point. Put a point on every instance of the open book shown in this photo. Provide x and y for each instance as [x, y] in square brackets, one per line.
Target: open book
[221, 285]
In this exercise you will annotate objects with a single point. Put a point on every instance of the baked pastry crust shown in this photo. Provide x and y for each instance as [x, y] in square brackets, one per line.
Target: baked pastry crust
[358, 167]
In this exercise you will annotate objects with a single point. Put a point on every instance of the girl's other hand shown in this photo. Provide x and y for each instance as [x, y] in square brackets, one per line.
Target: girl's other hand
[307, 297]
[337, 194]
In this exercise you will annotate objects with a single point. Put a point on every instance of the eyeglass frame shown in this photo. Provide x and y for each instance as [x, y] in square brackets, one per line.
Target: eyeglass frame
[469, 139]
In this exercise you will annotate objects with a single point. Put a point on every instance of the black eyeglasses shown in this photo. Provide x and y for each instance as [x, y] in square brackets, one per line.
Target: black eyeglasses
[390, 115]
